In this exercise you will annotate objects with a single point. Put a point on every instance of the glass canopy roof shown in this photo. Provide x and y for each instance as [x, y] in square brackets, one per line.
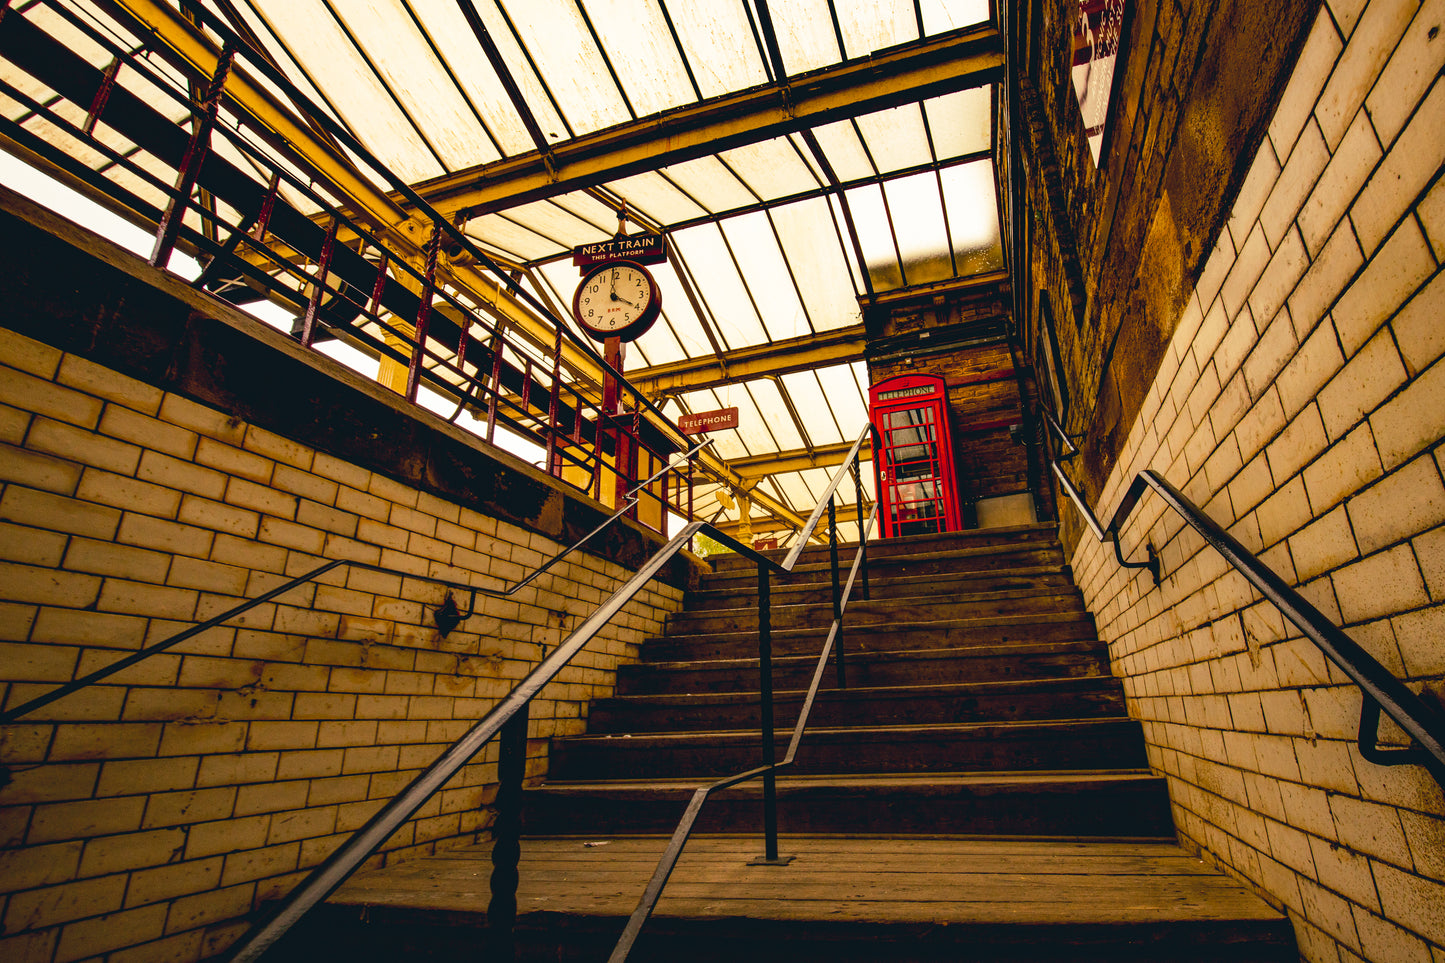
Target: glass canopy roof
[772, 241]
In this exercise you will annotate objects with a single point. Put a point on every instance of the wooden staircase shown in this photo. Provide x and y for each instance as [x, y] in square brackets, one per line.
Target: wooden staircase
[976, 793]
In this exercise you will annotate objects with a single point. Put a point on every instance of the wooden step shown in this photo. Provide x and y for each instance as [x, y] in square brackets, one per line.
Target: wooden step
[840, 899]
[986, 559]
[1032, 745]
[1094, 803]
[1074, 698]
[1043, 533]
[862, 614]
[937, 666]
[817, 587]
[1030, 628]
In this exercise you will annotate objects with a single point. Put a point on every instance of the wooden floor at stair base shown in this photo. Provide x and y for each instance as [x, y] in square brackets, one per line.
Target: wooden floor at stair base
[958, 893]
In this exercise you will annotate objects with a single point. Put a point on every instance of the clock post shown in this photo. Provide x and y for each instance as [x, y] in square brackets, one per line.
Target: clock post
[612, 352]
[617, 301]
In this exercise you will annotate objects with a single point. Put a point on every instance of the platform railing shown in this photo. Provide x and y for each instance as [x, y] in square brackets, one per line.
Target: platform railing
[1380, 689]
[832, 648]
[267, 221]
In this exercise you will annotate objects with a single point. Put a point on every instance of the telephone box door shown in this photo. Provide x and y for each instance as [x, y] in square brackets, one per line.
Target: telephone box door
[917, 484]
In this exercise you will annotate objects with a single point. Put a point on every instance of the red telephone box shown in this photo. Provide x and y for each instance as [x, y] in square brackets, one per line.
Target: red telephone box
[913, 463]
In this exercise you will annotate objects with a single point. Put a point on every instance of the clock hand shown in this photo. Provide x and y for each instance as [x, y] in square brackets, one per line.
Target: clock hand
[614, 285]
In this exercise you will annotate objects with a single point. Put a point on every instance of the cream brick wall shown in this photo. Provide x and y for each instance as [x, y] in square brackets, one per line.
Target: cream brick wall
[146, 815]
[1302, 405]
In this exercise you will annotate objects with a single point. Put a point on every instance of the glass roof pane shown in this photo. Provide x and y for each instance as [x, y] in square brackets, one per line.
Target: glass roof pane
[386, 32]
[719, 285]
[844, 399]
[870, 26]
[943, 15]
[506, 235]
[557, 38]
[766, 274]
[287, 64]
[685, 339]
[651, 195]
[817, 481]
[896, 138]
[710, 183]
[719, 45]
[924, 245]
[589, 209]
[813, 248]
[812, 407]
[640, 47]
[875, 236]
[962, 122]
[752, 426]
[310, 30]
[558, 223]
[805, 34]
[972, 206]
[797, 494]
[844, 151]
[772, 168]
[770, 403]
[453, 36]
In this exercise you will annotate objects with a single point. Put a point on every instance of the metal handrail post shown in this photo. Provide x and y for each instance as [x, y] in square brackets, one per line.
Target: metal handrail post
[507, 836]
[837, 588]
[765, 707]
[862, 536]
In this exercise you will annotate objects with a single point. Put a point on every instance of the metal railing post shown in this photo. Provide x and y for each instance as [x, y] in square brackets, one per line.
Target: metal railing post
[837, 591]
[862, 536]
[506, 837]
[204, 115]
[765, 706]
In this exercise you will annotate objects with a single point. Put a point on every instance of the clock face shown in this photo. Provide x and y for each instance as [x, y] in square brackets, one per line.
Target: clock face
[617, 300]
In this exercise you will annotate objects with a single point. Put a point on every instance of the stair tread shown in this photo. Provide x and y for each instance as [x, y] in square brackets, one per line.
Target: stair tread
[820, 732]
[895, 627]
[900, 601]
[954, 652]
[880, 780]
[786, 583]
[1126, 885]
[934, 690]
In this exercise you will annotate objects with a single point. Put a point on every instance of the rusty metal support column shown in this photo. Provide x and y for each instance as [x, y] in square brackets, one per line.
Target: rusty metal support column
[318, 286]
[423, 315]
[169, 228]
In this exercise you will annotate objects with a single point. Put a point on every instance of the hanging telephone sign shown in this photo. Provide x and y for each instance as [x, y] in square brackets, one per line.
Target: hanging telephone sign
[642, 248]
[708, 421]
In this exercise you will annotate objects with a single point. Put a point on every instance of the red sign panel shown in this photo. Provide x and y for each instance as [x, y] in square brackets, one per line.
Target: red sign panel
[642, 248]
[708, 421]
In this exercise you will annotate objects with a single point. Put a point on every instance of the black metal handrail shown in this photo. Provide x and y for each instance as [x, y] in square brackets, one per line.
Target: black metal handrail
[509, 718]
[768, 770]
[447, 617]
[1378, 686]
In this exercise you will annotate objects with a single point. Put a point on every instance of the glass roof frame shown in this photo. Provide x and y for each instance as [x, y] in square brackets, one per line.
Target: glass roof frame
[699, 317]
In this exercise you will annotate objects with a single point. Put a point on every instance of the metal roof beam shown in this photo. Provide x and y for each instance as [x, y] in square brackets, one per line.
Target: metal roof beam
[911, 72]
[745, 364]
[757, 467]
[763, 525]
